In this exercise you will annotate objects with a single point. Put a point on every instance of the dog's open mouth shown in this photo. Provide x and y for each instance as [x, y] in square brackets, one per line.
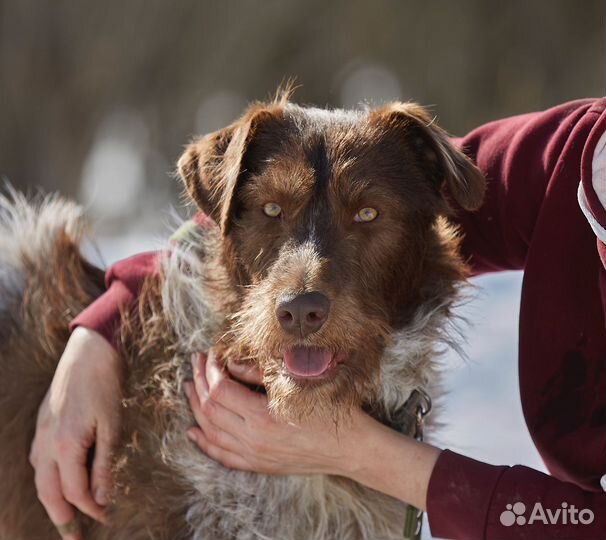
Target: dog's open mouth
[310, 363]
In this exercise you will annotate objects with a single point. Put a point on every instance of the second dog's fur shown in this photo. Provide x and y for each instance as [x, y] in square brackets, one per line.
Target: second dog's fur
[387, 283]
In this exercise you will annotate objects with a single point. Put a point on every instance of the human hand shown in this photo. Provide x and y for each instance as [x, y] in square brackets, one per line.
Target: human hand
[81, 408]
[236, 429]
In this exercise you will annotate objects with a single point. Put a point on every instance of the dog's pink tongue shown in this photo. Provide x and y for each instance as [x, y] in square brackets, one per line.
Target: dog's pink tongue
[306, 361]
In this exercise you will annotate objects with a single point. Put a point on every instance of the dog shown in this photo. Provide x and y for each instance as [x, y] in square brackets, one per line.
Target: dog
[333, 265]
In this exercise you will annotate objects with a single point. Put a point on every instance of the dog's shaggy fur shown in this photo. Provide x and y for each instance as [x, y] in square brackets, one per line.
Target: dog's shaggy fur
[391, 284]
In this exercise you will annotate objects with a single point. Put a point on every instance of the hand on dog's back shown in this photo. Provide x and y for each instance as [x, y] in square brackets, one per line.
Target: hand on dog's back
[81, 409]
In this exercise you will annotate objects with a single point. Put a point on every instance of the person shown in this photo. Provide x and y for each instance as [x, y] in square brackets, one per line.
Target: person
[545, 214]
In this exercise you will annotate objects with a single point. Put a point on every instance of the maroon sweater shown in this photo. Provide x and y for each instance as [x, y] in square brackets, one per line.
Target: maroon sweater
[531, 220]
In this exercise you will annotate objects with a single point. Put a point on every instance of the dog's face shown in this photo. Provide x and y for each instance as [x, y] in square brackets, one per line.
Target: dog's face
[333, 236]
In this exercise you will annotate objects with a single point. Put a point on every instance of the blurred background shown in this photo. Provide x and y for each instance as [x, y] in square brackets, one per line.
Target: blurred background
[97, 100]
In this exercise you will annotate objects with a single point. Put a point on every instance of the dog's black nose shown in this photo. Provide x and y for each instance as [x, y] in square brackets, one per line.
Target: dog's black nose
[303, 314]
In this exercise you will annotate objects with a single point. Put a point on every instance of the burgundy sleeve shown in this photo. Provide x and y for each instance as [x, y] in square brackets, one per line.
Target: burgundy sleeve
[519, 155]
[466, 499]
[469, 500]
[123, 281]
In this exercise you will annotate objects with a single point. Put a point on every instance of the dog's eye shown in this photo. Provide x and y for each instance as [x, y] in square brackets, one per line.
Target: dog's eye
[272, 209]
[365, 215]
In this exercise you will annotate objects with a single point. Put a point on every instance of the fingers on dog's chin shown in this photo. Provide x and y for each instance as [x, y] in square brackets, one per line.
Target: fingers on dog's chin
[193, 433]
[198, 362]
[247, 373]
[196, 436]
[194, 400]
[212, 356]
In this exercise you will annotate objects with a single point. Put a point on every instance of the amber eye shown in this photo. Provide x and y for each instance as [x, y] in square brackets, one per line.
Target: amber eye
[272, 209]
[365, 215]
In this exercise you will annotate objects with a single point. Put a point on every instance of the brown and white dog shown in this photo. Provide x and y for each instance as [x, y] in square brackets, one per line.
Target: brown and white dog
[332, 266]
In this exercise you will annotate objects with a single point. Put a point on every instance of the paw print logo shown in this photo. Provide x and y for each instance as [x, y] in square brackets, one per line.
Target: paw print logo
[514, 514]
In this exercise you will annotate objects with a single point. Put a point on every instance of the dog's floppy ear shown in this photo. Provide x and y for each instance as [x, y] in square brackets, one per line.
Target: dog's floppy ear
[465, 182]
[212, 165]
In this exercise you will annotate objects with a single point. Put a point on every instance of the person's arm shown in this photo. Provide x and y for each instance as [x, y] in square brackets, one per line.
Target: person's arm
[81, 408]
[123, 281]
[526, 158]
[236, 429]
[82, 405]
[470, 499]
[520, 157]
